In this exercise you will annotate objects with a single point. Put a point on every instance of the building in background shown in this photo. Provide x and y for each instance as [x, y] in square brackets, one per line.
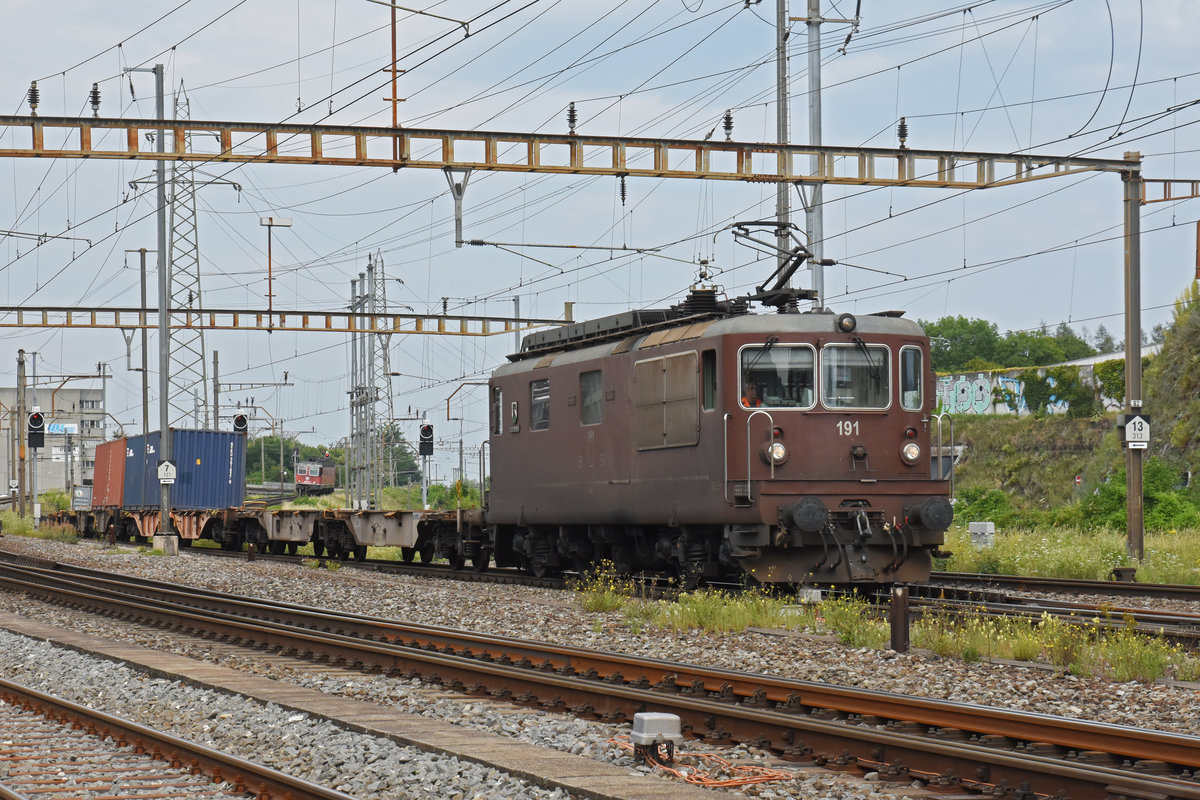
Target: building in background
[75, 424]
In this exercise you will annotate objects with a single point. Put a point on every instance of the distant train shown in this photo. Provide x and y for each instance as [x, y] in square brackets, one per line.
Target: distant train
[701, 440]
[316, 477]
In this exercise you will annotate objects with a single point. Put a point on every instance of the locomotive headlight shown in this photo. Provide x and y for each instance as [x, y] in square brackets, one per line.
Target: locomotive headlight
[910, 452]
[775, 453]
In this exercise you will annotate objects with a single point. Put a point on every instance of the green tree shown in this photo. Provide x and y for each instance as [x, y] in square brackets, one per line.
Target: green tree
[1073, 346]
[956, 342]
[397, 457]
[1173, 384]
[1029, 349]
[1104, 341]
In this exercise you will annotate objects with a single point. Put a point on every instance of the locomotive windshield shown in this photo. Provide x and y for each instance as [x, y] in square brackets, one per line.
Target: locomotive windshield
[778, 376]
[855, 376]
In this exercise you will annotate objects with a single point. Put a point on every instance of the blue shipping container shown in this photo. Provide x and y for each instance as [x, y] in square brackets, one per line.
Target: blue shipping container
[210, 469]
[141, 471]
[211, 466]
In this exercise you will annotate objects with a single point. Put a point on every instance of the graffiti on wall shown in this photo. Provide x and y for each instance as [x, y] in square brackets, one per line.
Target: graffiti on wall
[986, 393]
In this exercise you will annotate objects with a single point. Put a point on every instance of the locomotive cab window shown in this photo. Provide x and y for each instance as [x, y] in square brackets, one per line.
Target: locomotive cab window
[777, 376]
[855, 376]
[910, 379]
[539, 405]
[591, 394]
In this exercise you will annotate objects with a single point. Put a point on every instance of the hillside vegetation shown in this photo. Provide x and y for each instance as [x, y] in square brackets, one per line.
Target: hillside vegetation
[1043, 469]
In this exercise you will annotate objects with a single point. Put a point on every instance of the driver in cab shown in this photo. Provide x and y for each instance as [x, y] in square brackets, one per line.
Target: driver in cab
[750, 396]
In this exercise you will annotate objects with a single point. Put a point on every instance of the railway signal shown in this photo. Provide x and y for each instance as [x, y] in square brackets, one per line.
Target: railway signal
[239, 423]
[425, 443]
[36, 429]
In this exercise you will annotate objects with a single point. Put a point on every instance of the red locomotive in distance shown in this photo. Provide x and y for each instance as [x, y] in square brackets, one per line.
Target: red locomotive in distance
[315, 477]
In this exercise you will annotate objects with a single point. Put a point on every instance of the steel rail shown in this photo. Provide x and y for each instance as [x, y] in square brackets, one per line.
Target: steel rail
[1065, 585]
[246, 776]
[791, 717]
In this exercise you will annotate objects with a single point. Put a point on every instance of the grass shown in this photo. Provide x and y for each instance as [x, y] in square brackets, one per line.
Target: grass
[1120, 655]
[15, 525]
[1075, 646]
[1170, 557]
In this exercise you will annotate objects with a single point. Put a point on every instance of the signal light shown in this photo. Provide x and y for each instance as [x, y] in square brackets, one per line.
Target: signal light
[239, 423]
[425, 442]
[36, 428]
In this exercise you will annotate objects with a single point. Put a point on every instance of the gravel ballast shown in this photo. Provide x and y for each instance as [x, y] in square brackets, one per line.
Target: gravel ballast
[556, 616]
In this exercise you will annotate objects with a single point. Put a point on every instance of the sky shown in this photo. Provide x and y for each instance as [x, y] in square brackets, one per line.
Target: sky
[1087, 78]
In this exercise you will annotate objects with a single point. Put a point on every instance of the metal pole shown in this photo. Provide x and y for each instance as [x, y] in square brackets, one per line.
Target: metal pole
[351, 453]
[1133, 351]
[145, 357]
[270, 291]
[33, 453]
[899, 618]
[782, 202]
[216, 395]
[516, 315]
[816, 214]
[165, 540]
[19, 431]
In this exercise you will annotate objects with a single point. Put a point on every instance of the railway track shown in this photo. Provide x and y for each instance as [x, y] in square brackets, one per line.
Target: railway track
[951, 745]
[967, 582]
[970, 594]
[52, 748]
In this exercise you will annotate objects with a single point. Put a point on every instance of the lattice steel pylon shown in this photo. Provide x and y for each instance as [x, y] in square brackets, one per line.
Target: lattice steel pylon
[370, 392]
[189, 370]
[385, 409]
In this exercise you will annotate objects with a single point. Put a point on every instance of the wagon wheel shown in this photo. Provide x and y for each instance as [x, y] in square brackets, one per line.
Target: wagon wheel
[275, 548]
[360, 552]
[407, 554]
[292, 548]
[457, 560]
[318, 548]
[425, 551]
[334, 550]
[538, 568]
[480, 560]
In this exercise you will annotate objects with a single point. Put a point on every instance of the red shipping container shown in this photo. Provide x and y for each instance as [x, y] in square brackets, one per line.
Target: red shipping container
[108, 482]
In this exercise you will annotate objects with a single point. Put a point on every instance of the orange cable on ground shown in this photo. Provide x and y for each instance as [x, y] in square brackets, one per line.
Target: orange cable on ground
[746, 776]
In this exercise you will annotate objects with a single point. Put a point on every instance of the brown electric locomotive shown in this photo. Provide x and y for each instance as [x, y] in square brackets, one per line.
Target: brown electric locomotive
[707, 441]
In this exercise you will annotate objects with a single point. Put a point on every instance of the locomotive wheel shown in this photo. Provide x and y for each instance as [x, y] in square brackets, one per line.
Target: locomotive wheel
[360, 552]
[480, 560]
[407, 554]
[689, 576]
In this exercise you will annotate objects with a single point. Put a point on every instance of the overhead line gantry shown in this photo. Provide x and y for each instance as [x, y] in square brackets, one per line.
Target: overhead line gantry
[573, 154]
